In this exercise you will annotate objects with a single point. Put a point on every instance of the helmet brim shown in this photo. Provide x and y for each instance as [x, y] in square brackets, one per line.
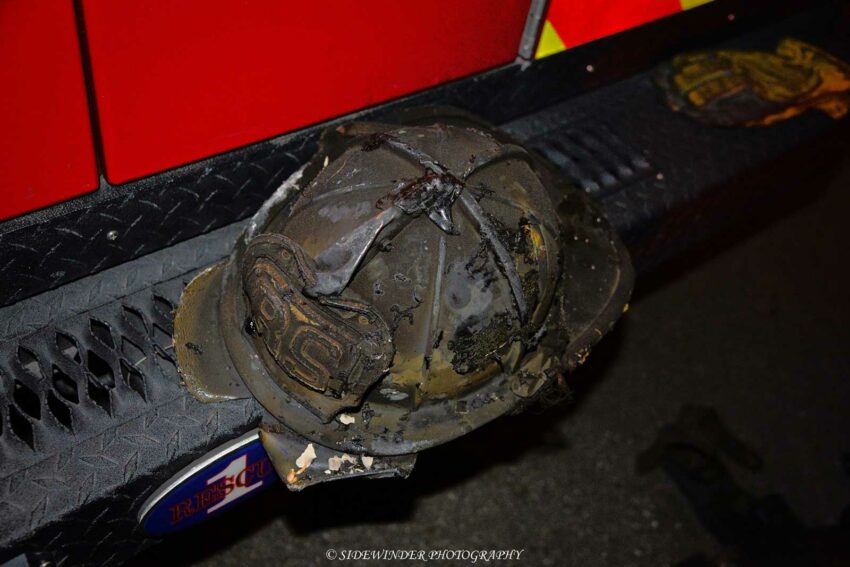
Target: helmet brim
[202, 356]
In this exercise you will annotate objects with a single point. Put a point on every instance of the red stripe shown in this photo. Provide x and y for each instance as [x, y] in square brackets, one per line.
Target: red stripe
[580, 21]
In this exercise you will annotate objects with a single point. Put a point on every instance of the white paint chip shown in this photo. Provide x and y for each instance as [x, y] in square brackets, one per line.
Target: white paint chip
[306, 458]
[367, 461]
[334, 463]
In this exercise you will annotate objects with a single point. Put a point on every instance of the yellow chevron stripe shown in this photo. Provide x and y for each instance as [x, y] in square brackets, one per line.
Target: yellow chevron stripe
[688, 4]
[550, 42]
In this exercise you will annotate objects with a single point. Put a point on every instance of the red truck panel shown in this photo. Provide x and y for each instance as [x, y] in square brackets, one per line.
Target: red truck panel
[180, 81]
[581, 21]
[46, 149]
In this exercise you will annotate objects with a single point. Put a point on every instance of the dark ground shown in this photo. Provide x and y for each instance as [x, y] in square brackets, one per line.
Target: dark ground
[759, 331]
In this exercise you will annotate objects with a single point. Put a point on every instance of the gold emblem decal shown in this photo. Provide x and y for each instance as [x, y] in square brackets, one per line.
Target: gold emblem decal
[756, 88]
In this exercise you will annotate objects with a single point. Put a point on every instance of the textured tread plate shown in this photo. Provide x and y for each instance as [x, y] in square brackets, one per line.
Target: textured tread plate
[100, 417]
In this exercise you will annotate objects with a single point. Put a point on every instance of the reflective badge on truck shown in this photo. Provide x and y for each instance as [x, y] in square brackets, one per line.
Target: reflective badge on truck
[211, 484]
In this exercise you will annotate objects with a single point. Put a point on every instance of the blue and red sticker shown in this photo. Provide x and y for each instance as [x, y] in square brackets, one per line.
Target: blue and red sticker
[211, 484]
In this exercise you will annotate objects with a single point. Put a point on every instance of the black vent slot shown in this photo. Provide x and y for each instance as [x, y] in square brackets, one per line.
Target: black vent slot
[596, 158]
[27, 400]
[135, 319]
[29, 362]
[101, 370]
[101, 332]
[21, 427]
[72, 377]
[68, 347]
[134, 379]
[132, 352]
[163, 307]
[161, 337]
[59, 410]
[100, 396]
[165, 360]
[65, 385]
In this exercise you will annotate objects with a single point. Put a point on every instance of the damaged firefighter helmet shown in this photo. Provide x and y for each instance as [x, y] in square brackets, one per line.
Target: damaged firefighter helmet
[408, 285]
